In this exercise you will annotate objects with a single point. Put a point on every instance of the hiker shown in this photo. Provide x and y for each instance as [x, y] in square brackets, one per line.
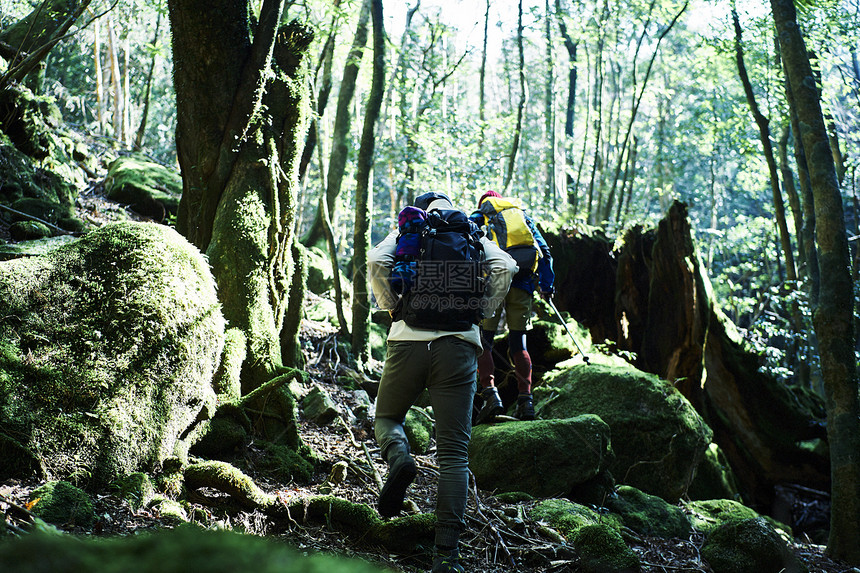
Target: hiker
[515, 232]
[441, 357]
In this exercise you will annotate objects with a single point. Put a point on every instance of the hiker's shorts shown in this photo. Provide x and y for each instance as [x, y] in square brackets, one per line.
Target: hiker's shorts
[518, 312]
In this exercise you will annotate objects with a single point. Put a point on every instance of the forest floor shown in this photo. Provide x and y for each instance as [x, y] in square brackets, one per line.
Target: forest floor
[500, 537]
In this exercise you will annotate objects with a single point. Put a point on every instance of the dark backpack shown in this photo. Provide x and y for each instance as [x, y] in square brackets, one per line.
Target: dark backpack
[447, 287]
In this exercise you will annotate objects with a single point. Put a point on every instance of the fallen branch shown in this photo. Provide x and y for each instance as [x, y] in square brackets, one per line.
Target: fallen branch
[493, 529]
[51, 226]
[377, 478]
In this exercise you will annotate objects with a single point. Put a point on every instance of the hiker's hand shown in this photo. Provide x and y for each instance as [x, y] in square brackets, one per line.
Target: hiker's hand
[546, 294]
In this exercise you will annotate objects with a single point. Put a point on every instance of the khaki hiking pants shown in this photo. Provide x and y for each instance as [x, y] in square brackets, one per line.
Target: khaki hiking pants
[447, 367]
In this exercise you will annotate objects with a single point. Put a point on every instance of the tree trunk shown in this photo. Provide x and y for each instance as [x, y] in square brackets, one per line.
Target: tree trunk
[116, 83]
[363, 194]
[764, 135]
[652, 297]
[342, 122]
[144, 116]
[483, 75]
[98, 78]
[242, 111]
[549, 107]
[570, 46]
[834, 326]
[521, 105]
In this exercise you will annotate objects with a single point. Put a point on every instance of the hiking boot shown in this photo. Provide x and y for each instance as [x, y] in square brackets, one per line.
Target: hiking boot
[401, 472]
[447, 561]
[525, 407]
[492, 406]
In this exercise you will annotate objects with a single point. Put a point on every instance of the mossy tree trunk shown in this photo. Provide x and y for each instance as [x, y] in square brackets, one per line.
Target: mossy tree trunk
[831, 316]
[242, 112]
[653, 298]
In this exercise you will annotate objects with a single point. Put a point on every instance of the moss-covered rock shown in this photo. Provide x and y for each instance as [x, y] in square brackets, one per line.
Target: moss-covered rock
[567, 517]
[648, 514]
[543, 457]
[744, 545]
[43, 209]
[318, 407]
[708, 514]
[61, 503]
[714, 477]
[28, 120]
[185, 548]
[137, 489]
[285, 463]
[418, 426]
[108, 351]
[9, 251]
[601, 549]
[657, 436]
[29, 231]
[145, 186]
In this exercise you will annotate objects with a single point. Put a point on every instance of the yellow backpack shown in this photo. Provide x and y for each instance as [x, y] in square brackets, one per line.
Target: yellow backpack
[506, 226]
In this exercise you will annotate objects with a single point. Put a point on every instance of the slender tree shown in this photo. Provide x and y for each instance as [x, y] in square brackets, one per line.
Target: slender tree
[833, 325]
[521, 105]
[364, 172]
[763, 124]
[342, 123]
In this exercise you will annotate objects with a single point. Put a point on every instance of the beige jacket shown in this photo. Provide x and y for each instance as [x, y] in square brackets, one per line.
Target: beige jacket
[501, 269]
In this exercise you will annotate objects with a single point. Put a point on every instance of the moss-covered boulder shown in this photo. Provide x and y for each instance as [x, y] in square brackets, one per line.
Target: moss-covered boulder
[658, 438]
[185, 548]
[648, 514]
[136, 489]
[714, 477]
[29, 231]
[33, 248]
[706, 515]
[106, 354]
[418, 426]
[567, 517]
[744, 545]
[29, 120]
[601, 549]
[61, 503]
[543, 458]
[146, 187]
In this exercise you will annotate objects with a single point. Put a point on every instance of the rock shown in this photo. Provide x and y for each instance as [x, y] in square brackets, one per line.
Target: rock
[744, 545]
[61, 503]
[542, 457]
[707, 515]
[34, 248]
[146, 187]
[318, 407]
[714, 477]
[648, 514]
[107, 353]
[658, 438]
[567, 517]
[29, 231]
[602, 550]
[419, 430]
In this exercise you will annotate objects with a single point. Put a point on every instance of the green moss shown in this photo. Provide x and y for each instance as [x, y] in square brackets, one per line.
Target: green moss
[568, 517]
[649, 514]
[418, 426]
[184, 548]
[602, 550]
[137, 489]
[514, 497]
[405, 534]
[285, 463]
[148, 188]
[355, 517]
[553, 456]
[168, 509]
[657, 436]
[714, 477]
[228, 479]
[29, 231]
[108, 360]
[750, 544]
[705, 515]
[61, 503]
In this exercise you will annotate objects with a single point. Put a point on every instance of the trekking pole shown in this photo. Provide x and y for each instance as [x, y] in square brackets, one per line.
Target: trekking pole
[569, 333]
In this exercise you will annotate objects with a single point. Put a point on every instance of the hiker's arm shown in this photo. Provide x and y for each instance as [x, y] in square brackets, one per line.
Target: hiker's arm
[379, 262]
[546, 276]
[501, 269]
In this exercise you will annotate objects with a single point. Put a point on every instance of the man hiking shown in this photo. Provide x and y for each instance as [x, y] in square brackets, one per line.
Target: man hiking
[434, 343]
[514, 231]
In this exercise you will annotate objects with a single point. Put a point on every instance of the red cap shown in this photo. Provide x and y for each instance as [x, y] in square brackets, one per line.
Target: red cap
[487, 194]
